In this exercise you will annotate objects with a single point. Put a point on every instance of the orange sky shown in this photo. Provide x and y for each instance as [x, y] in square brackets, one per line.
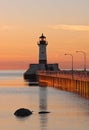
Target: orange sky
[64, 23]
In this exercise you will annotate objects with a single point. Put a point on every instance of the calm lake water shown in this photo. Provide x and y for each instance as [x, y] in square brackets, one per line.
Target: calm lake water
[68, 111]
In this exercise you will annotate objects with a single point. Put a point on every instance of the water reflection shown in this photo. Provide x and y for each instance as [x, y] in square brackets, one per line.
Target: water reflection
[11, 79]
[43, 107]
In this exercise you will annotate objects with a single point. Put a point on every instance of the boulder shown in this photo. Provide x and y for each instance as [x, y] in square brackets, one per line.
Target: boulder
[43, 112]
[22, 112]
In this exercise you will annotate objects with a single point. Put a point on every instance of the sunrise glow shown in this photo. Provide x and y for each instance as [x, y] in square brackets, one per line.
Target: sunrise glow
[65, 23]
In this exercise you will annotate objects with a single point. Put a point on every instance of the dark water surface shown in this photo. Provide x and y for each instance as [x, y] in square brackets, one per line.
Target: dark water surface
[68, 111]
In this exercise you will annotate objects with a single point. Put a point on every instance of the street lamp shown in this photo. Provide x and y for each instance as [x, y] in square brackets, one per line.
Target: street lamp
[84, 53]
[72, 61]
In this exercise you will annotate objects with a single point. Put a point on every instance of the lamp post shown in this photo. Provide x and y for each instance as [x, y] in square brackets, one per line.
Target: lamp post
[84, 53]
[72, 62]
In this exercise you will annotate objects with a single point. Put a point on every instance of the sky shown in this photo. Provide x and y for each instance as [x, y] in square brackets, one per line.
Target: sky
[65, 23]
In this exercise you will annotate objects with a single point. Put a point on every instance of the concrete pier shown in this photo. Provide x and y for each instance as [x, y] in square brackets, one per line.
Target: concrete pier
[76, 83]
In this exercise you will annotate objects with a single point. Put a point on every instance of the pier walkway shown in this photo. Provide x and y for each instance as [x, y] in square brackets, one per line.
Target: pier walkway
[76, 81]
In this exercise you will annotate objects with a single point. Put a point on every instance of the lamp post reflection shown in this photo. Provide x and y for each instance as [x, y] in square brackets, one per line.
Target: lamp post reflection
[72, 62]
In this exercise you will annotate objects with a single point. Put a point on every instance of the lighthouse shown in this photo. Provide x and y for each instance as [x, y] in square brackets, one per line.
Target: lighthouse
[42, 49]
[31, 74]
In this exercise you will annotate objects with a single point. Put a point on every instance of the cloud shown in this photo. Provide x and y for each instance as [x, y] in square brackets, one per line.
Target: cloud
[6, 27]
[69, 27]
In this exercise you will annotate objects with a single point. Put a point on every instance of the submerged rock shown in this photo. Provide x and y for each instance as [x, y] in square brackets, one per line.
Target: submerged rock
[22, 112]
[43, 112]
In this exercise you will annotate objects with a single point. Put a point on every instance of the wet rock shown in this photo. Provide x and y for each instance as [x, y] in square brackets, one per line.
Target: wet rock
[22, 112]
[43, 112]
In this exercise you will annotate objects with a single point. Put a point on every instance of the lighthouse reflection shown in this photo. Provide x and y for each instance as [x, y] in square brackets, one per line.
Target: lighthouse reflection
[43, 107]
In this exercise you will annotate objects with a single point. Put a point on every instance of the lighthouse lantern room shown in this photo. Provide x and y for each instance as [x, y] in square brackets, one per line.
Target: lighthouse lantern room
[42, 49]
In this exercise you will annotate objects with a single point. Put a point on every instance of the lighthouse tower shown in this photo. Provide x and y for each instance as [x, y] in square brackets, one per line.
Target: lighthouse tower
[31, 74]
[42, 49]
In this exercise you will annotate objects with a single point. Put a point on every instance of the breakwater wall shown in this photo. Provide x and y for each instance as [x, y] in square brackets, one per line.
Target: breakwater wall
[72, 82]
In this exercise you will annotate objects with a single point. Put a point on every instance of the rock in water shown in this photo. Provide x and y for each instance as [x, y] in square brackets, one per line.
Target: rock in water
[43, 112]
[22, 112]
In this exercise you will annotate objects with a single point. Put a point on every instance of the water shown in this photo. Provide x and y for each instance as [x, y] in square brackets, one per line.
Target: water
[68, 111]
